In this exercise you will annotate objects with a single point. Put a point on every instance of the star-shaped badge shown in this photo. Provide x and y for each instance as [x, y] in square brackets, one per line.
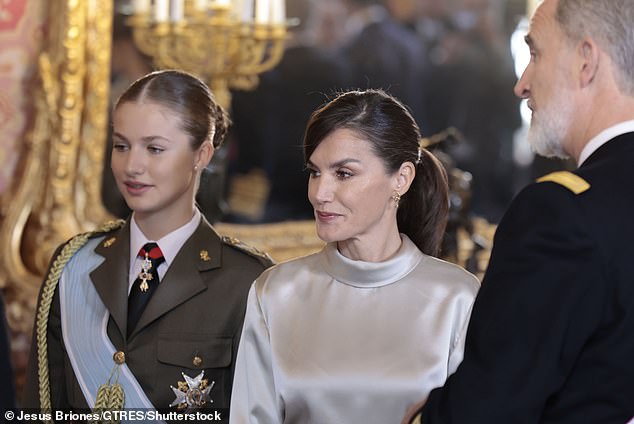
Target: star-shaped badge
[193, 393]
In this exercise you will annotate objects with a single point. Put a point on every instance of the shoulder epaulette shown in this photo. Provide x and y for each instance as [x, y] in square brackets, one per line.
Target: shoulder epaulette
[106, 228]
[109, 226]
[263, 257]
[80, 239]
[571, 181]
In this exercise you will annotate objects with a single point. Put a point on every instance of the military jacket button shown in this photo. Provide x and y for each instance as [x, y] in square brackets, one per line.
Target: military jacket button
[119, 357]
[198, 361]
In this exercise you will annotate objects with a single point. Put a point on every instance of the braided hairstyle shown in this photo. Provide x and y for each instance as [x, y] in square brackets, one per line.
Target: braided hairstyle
[392, 132]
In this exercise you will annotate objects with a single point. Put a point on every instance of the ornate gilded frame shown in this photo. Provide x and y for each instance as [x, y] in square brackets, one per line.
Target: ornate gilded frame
[56, 190]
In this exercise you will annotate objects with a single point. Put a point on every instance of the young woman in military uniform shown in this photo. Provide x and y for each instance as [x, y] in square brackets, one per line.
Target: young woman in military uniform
[147, 313]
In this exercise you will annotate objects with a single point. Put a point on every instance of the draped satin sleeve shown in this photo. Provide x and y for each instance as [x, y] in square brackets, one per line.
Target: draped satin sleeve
[254, 397]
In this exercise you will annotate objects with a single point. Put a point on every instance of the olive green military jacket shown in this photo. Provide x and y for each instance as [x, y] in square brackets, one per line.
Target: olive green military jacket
[191, 324]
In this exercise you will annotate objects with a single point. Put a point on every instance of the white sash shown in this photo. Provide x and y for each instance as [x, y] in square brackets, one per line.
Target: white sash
[84, 323]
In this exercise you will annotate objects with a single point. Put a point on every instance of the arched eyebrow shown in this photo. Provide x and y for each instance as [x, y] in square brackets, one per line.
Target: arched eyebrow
[337, 164]
[146, 139]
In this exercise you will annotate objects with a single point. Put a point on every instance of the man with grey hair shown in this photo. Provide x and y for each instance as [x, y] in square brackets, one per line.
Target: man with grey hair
[551, 336]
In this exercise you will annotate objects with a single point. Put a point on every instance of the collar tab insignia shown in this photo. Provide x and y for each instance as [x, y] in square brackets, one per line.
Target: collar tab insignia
[109, 242]
[204, 255]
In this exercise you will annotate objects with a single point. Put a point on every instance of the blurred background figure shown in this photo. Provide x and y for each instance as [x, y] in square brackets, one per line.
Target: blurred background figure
[384, 53]
[430, 24]
[448, 61]
[266, 153]
[470, 87]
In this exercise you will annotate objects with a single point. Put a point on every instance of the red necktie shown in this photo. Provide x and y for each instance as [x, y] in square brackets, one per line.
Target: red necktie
[146, 283]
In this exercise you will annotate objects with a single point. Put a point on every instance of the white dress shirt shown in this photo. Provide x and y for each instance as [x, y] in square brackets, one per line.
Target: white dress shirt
[603, 137]
[169, 244]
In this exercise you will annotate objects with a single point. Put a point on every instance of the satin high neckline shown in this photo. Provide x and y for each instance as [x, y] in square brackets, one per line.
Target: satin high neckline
[371, 274]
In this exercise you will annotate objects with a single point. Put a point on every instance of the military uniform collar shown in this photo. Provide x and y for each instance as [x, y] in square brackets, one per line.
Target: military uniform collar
[170, 244]
[603, 137]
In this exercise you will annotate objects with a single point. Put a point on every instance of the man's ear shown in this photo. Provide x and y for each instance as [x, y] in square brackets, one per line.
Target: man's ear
[590, 57]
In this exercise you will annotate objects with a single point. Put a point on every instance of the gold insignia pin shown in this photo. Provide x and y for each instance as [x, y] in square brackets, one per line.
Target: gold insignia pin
[109, 242]
[204, 255]
[197, 361]
[145, 274]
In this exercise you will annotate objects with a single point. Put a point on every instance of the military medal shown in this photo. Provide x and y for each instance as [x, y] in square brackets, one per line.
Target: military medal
[193, 393]
[145, 274]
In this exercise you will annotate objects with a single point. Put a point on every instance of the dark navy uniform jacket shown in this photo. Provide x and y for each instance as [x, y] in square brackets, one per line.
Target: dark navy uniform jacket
[551, 337]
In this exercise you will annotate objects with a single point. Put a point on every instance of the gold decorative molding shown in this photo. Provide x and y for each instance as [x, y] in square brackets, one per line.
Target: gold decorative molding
[282, 240]
[56, 191]
[292, 239]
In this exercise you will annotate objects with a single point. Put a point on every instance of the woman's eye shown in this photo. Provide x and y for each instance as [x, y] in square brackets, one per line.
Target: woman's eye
[155, 150]
[342, 174]
[120, 147]
[312, 172]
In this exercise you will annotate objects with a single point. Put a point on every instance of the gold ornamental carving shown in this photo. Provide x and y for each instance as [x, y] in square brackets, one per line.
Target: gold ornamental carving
[226, 42]
[56, 190]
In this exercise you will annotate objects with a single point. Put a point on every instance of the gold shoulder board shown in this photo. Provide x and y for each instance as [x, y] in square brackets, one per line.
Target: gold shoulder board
[571, 181]
[263, 257]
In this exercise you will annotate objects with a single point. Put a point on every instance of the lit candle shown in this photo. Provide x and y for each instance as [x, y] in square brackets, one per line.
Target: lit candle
[223, 3]
[246, 10]
[262, 12]
[141, 6]
[176, 10]
[201, 5]
[278, 12]
[161, 10]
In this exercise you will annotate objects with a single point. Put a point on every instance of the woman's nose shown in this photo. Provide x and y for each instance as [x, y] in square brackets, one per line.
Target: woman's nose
[320, 190]
[135, 163]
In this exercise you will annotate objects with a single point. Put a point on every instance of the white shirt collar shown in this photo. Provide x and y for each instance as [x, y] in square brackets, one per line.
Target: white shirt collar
[170, 244]
[603, 137]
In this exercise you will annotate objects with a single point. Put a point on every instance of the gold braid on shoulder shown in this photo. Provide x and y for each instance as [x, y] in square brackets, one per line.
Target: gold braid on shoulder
[44, 309]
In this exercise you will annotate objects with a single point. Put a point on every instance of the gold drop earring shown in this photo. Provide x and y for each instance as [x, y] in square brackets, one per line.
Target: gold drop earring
[396, 197]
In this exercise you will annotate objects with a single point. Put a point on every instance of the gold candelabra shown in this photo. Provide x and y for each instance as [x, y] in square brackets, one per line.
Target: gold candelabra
[228, 43]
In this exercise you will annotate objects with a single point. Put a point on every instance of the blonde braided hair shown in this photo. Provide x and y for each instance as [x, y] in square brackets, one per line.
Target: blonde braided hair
[44, 309]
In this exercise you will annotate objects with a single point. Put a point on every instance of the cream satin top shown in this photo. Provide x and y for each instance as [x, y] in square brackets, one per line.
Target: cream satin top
[330, 340]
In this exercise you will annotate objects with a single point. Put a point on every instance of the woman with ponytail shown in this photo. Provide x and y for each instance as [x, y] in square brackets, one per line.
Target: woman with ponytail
[368, 326]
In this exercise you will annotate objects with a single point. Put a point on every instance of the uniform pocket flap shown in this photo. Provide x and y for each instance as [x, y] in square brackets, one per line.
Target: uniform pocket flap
[210, 352]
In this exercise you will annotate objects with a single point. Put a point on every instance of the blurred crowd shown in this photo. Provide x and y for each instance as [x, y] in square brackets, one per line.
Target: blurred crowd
[449, 61]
